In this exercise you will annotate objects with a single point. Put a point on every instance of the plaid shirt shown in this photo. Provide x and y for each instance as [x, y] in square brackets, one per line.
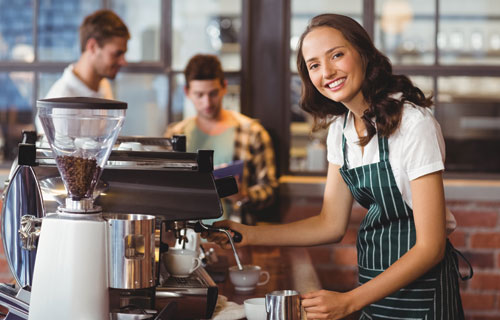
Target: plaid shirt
[253, 145]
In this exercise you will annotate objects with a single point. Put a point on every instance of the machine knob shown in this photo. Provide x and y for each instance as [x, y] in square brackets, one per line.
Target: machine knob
[29, 231]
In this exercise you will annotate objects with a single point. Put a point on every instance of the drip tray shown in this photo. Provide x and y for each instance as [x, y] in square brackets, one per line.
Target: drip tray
[133, 316]
[196, 296]
[189, 282]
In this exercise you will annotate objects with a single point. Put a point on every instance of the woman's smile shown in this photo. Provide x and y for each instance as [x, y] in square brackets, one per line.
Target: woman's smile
[336, 84]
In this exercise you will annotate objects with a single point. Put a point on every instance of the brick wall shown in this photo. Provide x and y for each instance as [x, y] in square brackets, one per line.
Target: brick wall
[477, 237]
[5, 275]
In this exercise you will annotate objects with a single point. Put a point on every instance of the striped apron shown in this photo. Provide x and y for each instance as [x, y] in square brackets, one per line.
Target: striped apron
[386, 233]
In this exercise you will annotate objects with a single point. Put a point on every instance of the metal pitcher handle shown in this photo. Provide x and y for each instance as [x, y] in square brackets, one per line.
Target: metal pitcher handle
[269, 304]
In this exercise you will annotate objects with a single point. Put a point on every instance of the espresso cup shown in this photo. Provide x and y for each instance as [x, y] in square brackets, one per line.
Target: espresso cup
[255, 309]
[247, 279]
[181, 263]
[131, 146]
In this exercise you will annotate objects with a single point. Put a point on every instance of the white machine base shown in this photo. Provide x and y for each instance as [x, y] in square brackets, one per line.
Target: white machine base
[70, 279]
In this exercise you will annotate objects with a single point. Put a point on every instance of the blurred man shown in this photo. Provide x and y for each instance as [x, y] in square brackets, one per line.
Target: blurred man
[103, 43]
[230, 134]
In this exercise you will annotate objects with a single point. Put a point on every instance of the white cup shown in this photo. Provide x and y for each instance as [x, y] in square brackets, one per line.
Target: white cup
[247, 279]
[131, 146]
[255, 309]
[181, 263]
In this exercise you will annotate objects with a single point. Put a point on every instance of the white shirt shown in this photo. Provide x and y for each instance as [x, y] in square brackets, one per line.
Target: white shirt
[416, 148]
[69, 85]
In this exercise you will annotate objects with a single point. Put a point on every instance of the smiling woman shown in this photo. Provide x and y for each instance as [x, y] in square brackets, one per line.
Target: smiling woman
[337, 58]
[386, 151]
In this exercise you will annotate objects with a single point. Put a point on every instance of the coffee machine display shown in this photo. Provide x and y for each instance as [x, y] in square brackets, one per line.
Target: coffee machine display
[82, 197]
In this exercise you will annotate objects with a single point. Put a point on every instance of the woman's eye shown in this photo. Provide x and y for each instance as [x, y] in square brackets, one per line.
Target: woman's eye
[337, 55]
[313, 66]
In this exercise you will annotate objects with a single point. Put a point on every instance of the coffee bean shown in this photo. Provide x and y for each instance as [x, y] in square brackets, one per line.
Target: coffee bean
[80, 175]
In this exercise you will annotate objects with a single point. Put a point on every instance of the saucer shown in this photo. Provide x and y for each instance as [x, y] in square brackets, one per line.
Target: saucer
[244, 289]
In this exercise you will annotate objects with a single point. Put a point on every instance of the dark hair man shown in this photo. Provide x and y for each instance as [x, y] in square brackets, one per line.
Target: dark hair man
[230, 134]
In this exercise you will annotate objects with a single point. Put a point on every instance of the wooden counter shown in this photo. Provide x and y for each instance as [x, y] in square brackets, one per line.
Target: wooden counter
[289, 268]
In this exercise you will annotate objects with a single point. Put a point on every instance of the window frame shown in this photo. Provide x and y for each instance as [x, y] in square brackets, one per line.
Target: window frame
[265, 86]
[433, 71]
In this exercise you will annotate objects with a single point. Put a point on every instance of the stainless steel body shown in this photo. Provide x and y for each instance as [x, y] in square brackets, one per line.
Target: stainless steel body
[22, 198]
[17, 302]
[131, 250]
[168, 185]
[283, 305]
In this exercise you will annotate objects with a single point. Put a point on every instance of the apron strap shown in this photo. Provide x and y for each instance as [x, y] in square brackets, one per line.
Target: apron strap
[383, 148]
[346, 162]
[457, 254]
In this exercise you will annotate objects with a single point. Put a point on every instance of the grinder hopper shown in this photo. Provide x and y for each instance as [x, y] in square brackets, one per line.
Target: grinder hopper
[81, 132]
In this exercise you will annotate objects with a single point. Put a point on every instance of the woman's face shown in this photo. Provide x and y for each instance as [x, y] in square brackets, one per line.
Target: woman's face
[335, 67]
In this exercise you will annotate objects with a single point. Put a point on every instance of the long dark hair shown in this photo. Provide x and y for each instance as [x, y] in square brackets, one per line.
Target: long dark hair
[377, 87]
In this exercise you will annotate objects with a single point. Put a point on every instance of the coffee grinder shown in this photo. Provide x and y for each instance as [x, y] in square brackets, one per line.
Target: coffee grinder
[71, 270]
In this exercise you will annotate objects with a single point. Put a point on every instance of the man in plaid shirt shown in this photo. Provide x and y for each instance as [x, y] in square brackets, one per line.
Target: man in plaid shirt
[230, 134]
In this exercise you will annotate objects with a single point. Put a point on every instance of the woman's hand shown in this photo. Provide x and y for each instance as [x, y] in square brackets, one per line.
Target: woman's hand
[221, 239]
[324, 304]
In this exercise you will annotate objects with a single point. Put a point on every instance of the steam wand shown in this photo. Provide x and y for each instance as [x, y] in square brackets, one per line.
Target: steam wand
[237, 238]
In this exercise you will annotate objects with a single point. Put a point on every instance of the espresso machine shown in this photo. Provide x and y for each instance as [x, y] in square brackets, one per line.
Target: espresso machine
[85, 243]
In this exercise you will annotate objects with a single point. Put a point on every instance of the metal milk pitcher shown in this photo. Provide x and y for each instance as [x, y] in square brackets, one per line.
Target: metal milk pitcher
[283, 305]
[131, 250]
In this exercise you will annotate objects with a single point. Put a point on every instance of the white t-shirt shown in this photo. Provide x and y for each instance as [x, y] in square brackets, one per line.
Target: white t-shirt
[69, 85]
[416, 148]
